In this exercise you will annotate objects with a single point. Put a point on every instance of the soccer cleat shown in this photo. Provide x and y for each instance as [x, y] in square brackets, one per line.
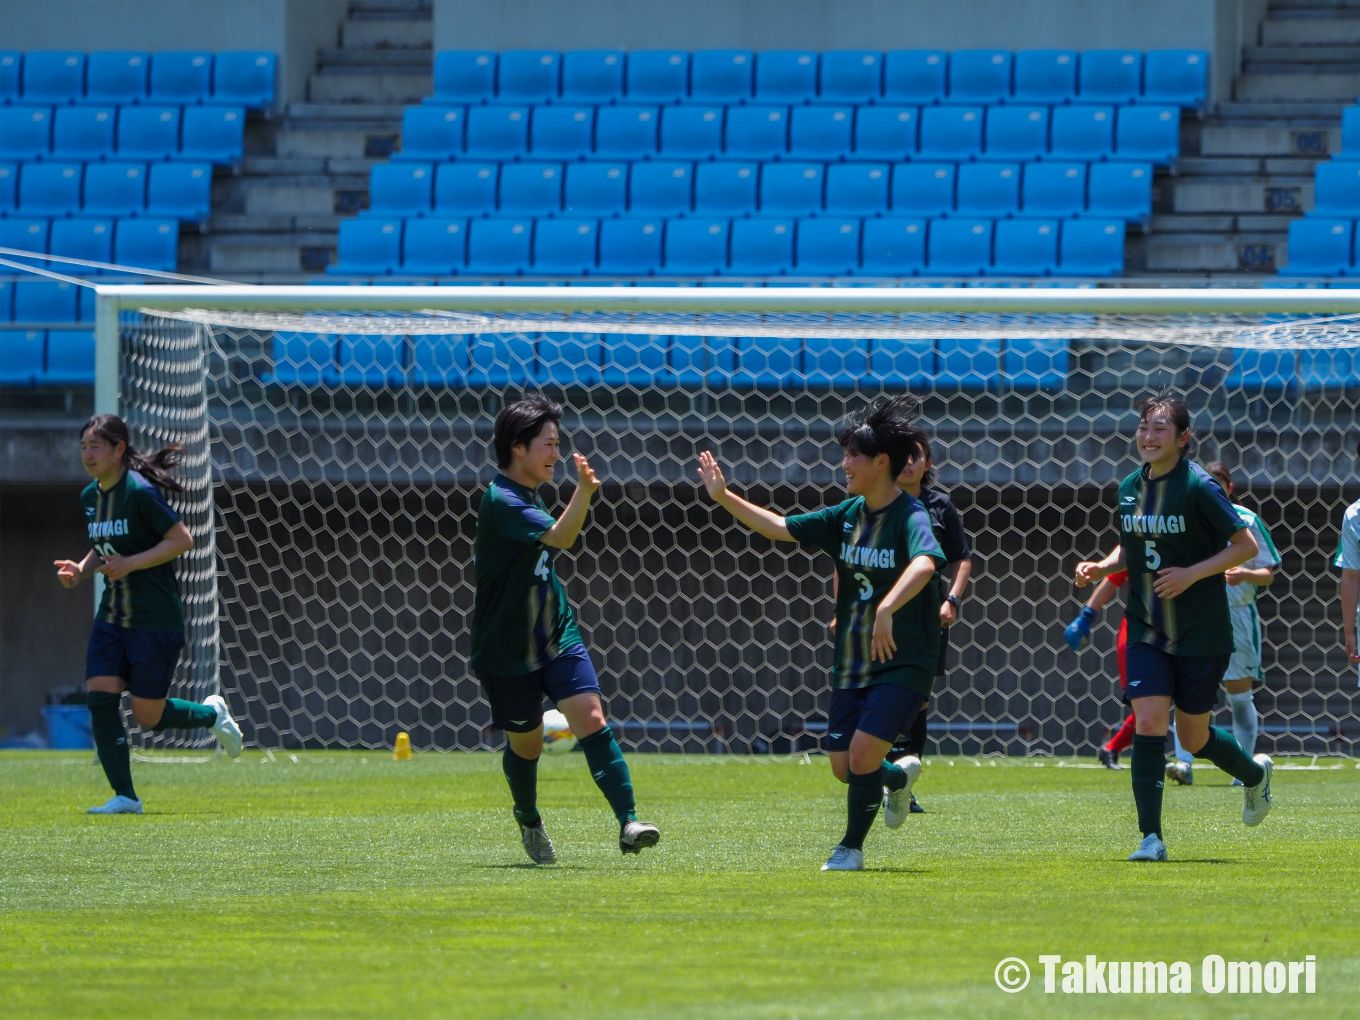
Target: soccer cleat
[1256, 799]
[117, 805]
[1151, 849]
[225, 729]
[636, 836]
[1108, 758]
[916, 808]
[536, 843]
[897, 803]
[844, 859]
[1181, 772]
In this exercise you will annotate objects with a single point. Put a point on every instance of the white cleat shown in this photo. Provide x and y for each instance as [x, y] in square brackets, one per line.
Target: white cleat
[897, 803]
[536, 843]
[225, 729]
[1256, 799]
[117, 805]
[844, 859]
[1151, 849]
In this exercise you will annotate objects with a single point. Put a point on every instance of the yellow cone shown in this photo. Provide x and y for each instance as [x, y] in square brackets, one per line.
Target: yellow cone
[402, 752]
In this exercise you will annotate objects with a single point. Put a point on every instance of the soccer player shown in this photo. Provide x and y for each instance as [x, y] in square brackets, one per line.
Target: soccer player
[525, 643]
[1348, 559]
[1178, 534]
[1078, 635]
[887, 610]
[138, 632]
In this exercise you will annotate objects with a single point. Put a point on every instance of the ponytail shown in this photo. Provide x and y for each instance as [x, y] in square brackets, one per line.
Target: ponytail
[155, 468]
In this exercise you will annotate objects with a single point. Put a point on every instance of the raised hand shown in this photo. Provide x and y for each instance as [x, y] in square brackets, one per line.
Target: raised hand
[711, 475]
[586, 478]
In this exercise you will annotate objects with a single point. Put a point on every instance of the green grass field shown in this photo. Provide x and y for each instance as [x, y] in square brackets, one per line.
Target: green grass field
[346, 884]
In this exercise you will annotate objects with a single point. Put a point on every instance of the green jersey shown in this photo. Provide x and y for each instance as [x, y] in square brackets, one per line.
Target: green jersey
[521, 620]
[1178, 520]
[871, 550]
[131, 518]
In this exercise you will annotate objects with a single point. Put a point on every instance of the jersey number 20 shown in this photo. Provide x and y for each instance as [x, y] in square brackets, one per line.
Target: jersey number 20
[541, 571]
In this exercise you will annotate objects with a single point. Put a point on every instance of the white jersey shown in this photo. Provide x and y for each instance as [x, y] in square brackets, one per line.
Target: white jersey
[1348, 549]
[1244, 594]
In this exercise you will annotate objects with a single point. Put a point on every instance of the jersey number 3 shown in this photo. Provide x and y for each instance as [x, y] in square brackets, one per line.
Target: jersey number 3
[541, 570]
[1154, 558]
[866, 590]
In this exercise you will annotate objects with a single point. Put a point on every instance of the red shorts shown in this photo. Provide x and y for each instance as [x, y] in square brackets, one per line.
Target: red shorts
[1121, 652]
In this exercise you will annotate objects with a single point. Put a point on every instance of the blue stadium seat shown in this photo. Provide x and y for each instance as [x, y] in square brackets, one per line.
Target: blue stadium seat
[970, 365]
[214, 133]
[83, 132]
[434, 246]
[657, 76]
[561, 132]
[53, 76]
[979, 76]
[181, 77]
[988, 189]
[1025, 248]
[431, 134]
[757, 132]
[725, 189]
[923, 189]
[147, 132]
[87, 300]
[44, 301]
[400, 189]
[1045, 76]
[182, 191]
[9, 187]
[149, 243]
[11, 64]
[367, 360]
[244, 78]
[1148, 134]
[791, 189]
[951, 132]
[25, 132]
[22, 353]
[786, 76]
[1091, 248]
[596, 189]
[630, 246]
[886, 132]
[116, 78]
[661, 189]
[915, 76]
[1350, 134]
[1082, 132]
[501, 360]
[635, 359]
[1121, 190]
[768, 362]
[902, 364]
[1260, 372]
[465, 189]
[439, 359]
[464, 76]
[1329, 369]
[528, 76]
[821, 132]
[691, 131]
[1178, 77]
[1053, 189]
[851, 76]
[1319, 246]
[115, 189]
[721, 76]
[626, 132]
[1337, 186]
[368, 246]
[569, 359]
[696, 247]
[1110, 76]
[893, 247]
[959, 247]
[25, 235]
[1017, 132]
[50, 189]
[531, 189]
[497, 132]
[70, 357]
[301, 358]
[1036, 364]
[592, 76]
[857, 189]
[838, 363]
[499, 247]
[827, 246]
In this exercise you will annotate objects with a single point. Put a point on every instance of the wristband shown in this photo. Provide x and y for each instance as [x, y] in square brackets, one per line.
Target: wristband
[953, 600]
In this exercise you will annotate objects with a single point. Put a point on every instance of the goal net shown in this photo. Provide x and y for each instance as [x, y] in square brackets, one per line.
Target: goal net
[339, 443]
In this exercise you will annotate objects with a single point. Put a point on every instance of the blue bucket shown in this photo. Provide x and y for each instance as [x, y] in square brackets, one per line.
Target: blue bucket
[68, 727]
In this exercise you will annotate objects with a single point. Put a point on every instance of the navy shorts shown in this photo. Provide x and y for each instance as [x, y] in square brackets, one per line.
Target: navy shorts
[1190, 681]
[883, 711]
[517, 701]
[144, 659]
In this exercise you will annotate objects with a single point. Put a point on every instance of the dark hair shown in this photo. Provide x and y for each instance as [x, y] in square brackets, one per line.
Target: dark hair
[1176, 413]
[1220, 471]
[154, 468]
[886, 426]
[520, 422]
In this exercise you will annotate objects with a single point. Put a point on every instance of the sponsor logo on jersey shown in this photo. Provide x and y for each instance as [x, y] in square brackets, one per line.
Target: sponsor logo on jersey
[1154, 524]
[863, 556]
[108, 529]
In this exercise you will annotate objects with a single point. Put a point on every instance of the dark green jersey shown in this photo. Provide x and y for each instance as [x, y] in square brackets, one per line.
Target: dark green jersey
[871, 550]
[1178, 520]
[521, 620]
[131, 518]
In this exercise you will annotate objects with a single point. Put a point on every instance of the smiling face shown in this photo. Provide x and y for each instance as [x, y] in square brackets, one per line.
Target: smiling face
[101, 458]
[538, 459]
[1159, 444]
[863, 474]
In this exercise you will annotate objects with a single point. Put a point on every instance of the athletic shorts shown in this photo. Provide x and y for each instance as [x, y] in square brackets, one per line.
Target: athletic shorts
[517, 701]
[883, 711]
[1121, 653]
[1246, 656]
[1191, 681]
[144, 659]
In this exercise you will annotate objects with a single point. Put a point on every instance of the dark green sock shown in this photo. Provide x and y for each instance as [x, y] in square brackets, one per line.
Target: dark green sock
[522, 775]
[185, 715]
[1147, 766]
[110, 740]
[894, 777]
[1225, 752]
[862, 798]
[610, 773]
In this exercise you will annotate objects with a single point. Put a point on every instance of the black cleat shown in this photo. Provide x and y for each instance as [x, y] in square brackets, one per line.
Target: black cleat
[915, 808]
[1110, 759]
[636, 836]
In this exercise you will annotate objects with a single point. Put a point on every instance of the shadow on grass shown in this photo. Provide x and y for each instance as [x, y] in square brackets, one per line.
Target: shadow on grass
[1201, 860]
[888, 869]
[530, 866]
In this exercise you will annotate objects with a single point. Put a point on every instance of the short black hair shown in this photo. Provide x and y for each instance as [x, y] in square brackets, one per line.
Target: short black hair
[886, 426]
[520, 422]
[1176, 413]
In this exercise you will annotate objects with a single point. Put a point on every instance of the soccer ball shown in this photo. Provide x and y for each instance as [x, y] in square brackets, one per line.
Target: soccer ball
[557, 735]
[1180, 772]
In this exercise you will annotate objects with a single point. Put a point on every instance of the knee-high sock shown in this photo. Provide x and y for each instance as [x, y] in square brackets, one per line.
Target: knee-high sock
[522, 775]
[110, 740]
[916, 744]
[185, 715]
[1223, 751]
[1148, 769]
[862, 799]
[1124, 737]
[610, 773]
[1245, 723]
[894, 776]
[1181, 753]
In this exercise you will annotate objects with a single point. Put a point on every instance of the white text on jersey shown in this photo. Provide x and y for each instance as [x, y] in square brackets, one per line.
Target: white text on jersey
[1150, 524]
[862, 556]
[108, 529]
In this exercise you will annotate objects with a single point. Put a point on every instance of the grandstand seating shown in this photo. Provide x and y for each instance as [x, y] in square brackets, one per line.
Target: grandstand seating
[118, 78]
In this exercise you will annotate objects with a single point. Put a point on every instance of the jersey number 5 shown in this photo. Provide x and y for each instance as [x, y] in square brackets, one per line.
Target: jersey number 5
[1154, 558]
[541, 570]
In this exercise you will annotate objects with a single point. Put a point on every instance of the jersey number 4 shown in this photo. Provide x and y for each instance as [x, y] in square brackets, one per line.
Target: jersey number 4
[541, 571]
[1154, 558]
